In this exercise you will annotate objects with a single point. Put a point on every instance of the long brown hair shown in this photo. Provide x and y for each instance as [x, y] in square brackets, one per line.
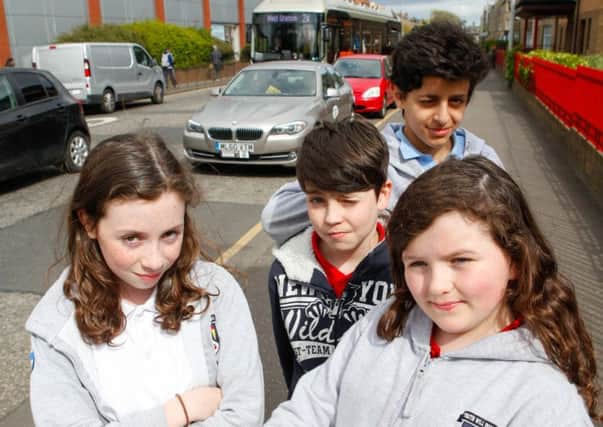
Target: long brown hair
[127, 167]
[545, 299]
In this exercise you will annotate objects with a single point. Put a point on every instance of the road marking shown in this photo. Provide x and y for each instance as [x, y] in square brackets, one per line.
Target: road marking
[386, 118]
[244, 240]
[99, 121]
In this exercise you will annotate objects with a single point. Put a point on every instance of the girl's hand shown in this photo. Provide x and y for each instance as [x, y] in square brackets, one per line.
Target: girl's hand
[200, 402]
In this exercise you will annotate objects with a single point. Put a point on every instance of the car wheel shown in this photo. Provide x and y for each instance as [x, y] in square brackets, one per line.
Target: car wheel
[76, 151]
[383, 111]
[108, 102]
[157, 97]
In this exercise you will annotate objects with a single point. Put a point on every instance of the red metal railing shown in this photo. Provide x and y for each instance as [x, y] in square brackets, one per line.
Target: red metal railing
[574, 96]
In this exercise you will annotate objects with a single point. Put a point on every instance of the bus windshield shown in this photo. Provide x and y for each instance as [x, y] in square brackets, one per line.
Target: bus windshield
[286, 36]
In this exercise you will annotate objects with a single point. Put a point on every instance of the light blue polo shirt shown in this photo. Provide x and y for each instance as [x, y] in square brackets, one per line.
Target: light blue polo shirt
[409, 151]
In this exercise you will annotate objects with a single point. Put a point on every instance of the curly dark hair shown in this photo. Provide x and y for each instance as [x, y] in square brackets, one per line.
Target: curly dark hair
[439, 49]
[127, 167]
[541, 296]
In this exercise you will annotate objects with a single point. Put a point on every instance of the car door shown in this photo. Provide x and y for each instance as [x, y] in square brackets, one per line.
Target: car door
[331, 111]
[387, 65]
[144, 72]
[13, 132]
[46, 115]
[346, 95]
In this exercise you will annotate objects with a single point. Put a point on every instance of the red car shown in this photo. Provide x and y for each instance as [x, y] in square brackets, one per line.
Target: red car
[368, 74]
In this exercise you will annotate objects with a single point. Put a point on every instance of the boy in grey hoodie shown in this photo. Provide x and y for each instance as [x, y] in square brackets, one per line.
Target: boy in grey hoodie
[481, 330]
[435, 70]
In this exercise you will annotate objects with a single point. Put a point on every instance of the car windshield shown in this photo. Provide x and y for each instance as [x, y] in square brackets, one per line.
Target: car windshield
[359, 68]
[273, 83]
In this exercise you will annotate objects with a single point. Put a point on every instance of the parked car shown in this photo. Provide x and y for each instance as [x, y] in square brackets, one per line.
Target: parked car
[264, 113]
[368, 74]
[41, 124]
[103, 73]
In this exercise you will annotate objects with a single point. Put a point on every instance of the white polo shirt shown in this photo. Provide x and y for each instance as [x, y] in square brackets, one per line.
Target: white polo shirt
[145, 366]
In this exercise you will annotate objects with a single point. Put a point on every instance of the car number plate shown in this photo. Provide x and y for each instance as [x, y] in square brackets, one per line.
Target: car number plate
[234, 150]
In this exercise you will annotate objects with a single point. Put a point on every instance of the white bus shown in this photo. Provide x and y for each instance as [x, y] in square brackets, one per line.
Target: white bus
[321, 30]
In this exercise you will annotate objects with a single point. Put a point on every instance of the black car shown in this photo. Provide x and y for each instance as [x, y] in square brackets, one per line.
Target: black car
[41, 124]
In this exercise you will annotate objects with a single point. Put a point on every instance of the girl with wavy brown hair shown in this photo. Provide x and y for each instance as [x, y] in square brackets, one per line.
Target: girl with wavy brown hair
[140, 329]
[482, 329]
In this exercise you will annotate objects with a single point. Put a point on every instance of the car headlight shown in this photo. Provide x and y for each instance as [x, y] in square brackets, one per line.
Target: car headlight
[373, 92]
[288, 128]
[193, 126]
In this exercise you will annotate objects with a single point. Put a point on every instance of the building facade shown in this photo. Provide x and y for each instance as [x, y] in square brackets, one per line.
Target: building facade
[27, 23]
[565, 25]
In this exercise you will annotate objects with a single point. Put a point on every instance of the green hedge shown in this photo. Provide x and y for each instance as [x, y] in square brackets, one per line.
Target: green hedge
[569, 60]
[190, 46]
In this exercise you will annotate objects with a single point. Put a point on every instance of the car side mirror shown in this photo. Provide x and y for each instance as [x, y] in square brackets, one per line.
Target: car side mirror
[216, 91]
[332, 92]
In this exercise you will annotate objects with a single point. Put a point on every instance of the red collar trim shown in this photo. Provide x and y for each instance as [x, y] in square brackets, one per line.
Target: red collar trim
[335, 277]
[436, 351]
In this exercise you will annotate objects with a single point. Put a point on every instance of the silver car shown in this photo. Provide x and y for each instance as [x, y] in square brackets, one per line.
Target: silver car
[264, 113]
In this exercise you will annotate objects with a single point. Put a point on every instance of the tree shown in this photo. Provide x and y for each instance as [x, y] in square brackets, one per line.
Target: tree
[444, 15]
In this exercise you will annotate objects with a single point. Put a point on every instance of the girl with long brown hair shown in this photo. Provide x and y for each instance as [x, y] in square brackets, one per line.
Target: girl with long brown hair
[482, 329]
[140, 329]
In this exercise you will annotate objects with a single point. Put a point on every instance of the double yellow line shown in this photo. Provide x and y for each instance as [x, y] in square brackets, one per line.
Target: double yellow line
[255, 230]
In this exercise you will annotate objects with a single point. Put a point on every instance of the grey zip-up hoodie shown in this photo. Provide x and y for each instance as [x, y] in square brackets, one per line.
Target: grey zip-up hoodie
[63, 392]
[503, 380]
[285, 214]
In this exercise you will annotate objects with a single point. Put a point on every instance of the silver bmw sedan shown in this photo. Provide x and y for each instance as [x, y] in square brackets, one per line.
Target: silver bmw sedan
[264, 113]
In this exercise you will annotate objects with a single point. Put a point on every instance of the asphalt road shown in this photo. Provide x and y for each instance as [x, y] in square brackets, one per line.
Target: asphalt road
[31, 240]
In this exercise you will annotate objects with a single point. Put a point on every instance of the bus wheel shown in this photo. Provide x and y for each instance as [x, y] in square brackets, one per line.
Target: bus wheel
[108, 102]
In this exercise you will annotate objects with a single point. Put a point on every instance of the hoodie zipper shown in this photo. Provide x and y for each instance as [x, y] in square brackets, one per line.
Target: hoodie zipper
[416, 386]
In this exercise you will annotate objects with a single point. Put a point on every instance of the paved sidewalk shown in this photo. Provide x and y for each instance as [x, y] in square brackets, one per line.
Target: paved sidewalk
[569, 217]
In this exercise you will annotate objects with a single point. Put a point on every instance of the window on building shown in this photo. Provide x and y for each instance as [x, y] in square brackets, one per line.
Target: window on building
[529, 34]
[587, 37]
[547, 37]
[581, 34]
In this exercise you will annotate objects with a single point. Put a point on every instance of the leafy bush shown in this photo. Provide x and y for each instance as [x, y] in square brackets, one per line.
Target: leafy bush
[246, 53]
[569, 60]
[101, 33]
[562, 58]
[510, 63]
[190, 46]
[595, 61]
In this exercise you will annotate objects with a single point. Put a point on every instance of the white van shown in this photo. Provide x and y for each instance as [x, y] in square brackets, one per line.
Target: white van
[103, 73]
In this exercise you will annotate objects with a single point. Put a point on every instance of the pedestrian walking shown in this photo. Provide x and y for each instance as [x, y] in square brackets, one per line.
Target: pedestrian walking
[140, 329]
[216, 61]
[435, 70]
[167, 64]
[482, 330]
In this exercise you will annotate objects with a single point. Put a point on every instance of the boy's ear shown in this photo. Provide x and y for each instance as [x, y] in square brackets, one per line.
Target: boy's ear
[384, 194]
[87, 223]
[399, 97]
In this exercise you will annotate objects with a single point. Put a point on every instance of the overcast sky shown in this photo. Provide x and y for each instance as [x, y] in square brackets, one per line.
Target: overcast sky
[469, 10]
